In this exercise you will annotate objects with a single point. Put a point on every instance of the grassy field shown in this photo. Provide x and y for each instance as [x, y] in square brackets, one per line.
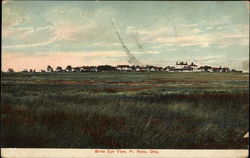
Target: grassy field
[125, 110]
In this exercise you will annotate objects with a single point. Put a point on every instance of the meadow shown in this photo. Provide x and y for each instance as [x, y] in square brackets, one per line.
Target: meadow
[157, 110]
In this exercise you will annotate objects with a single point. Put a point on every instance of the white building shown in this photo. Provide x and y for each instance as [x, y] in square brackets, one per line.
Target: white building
[123, 68]
[180, 65]
[193, 67]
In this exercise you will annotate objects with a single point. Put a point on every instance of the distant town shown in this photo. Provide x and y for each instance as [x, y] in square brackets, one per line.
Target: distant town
[179, 67]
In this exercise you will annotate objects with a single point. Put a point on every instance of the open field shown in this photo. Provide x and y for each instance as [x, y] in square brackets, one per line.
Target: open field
[125, 110]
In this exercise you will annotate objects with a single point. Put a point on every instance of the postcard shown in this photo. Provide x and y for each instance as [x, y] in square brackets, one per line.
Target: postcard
[125, 79]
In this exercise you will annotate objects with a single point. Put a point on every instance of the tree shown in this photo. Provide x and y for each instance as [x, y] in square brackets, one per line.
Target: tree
[76, 69]
[133, 68]
[58, 69]
[206, 68]
[69, 68]
[105, 68]
[11, 70]
[49, 69]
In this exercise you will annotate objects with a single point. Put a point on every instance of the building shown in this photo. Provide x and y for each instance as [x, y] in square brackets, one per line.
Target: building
[183, 67]
[144, 68]
[169, 69]
[123, 68]
[88, 69]
[137, 68]
[157, 68]
[180, 65]
[225, 69]
[193, 67]
[217, 69]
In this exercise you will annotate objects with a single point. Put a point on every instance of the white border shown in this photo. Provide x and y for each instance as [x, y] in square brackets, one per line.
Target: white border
[130, 153]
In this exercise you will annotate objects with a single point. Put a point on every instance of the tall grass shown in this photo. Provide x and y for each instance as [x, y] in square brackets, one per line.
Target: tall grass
[128, 111]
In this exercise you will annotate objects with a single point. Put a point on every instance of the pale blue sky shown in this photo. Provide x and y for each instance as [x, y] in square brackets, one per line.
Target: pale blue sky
[41, 33]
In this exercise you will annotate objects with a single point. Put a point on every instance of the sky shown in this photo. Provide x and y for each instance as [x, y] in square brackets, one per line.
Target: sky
[60, 33]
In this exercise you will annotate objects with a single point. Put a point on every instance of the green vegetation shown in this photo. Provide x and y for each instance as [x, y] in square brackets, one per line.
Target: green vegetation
[125, 110]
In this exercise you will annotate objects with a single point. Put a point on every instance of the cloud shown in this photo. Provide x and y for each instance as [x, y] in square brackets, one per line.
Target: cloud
[70, 33]
[17, 33]
[211, 60]
[203, 40]
[76, 25]
[207, 58]
[64, 23]
[43, 43]
[13, 14]
[85, 33]
[191, 25]
[221, 33]
[196, 30]
[73, 25]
